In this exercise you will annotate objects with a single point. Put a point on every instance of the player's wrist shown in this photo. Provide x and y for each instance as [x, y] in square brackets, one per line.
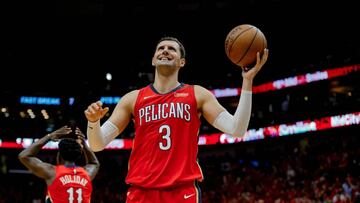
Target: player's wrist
[50, 137]
[93, 121]
[246, 91]
[91, 124]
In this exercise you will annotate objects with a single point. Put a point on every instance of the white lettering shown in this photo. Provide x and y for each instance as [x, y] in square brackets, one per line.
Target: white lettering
[172, 113]
[187, 110]
[180, 110]
[153, 114]
[166, 110]
[66, 179]
[299, 127]
[164, 114]
[147, 113]
[344, 120]
[310, 77]
[287, 82]
[141, 114]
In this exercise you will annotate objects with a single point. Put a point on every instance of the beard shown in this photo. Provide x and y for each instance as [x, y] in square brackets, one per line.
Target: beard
[164, 63]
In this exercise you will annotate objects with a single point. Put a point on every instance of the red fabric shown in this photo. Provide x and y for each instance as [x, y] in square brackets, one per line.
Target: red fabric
[165, 145]
[187, 193]
[70, 182]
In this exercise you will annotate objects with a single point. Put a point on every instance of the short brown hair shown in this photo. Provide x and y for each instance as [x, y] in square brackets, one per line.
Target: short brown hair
[182, 48]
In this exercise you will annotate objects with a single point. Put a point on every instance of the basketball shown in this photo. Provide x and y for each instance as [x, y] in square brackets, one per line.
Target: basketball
[242, 43]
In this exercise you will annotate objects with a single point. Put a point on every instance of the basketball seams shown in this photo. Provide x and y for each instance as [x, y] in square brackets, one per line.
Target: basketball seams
[234, 40]
[264, 42]
[242, 43]
[248, 48]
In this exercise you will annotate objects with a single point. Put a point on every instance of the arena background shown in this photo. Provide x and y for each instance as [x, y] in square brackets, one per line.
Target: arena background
[64, 49]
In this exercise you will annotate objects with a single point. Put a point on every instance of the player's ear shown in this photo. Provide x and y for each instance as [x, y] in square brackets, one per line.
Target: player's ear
[182, 62]
[153, 61]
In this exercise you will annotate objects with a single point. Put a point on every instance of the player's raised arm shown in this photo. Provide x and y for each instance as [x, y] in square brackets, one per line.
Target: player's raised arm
[35, 165]
[92, 163]
[98, 136]
[237, 124]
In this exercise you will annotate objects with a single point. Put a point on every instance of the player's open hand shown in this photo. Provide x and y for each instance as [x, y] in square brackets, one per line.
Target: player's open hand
[59, 133]
[260, 61]
[95, 111]
[80, 137]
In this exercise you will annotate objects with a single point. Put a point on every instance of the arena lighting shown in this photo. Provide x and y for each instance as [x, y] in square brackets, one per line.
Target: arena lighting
[226, 92]
[71, 101]
[40, 100]
[221, 138]
[108, 76]
[110, 100]
[34, 100]
[290, 81]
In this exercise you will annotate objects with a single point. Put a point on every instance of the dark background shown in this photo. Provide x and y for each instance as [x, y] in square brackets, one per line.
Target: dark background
[68, 46]
[65, 48]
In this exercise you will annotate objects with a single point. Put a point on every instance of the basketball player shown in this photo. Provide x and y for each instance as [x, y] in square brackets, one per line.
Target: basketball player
[163, 163]
[66, 182]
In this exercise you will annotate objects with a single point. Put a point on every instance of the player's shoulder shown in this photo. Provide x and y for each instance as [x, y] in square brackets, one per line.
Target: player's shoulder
[132, 94]
[128, 98]
[202, 94]
[200, 89]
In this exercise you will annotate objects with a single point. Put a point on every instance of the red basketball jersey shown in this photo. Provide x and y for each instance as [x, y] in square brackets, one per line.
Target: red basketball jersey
[165, 147]
[70, 185]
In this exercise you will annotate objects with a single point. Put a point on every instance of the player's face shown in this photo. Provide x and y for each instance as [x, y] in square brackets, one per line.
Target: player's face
[168, 54]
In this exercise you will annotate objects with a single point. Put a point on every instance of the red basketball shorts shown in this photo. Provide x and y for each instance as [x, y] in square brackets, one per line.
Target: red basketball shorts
[187, 193]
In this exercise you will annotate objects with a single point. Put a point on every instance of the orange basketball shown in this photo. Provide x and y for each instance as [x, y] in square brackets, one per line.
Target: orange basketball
[242, 43]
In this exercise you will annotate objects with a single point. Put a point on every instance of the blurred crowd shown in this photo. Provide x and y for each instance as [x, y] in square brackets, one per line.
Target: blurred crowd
[319, 167]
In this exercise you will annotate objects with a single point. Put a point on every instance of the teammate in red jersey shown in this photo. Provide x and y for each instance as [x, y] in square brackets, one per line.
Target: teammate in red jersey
[163, 163]
[66, 182]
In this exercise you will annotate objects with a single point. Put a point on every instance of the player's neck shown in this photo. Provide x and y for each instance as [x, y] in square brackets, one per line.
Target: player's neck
[69, 164]
[164, 85]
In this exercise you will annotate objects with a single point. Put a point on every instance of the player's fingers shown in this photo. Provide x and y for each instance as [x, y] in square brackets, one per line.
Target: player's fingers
[87, 112]
[258, 59]
[80, 135]
[91, 114]
[99, 103]
[92, 110]
[78, 132]
[257, 65]
[95, 106]
[104, 111]
[65, 129]
[265, 55]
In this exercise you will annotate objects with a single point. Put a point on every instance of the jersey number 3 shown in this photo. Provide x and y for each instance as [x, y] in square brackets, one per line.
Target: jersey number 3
[165, 131]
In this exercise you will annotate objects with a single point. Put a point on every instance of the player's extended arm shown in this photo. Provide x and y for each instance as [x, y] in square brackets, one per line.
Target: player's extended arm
[35, 165]
[237, 124]
[92, 163]
[100, 136]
